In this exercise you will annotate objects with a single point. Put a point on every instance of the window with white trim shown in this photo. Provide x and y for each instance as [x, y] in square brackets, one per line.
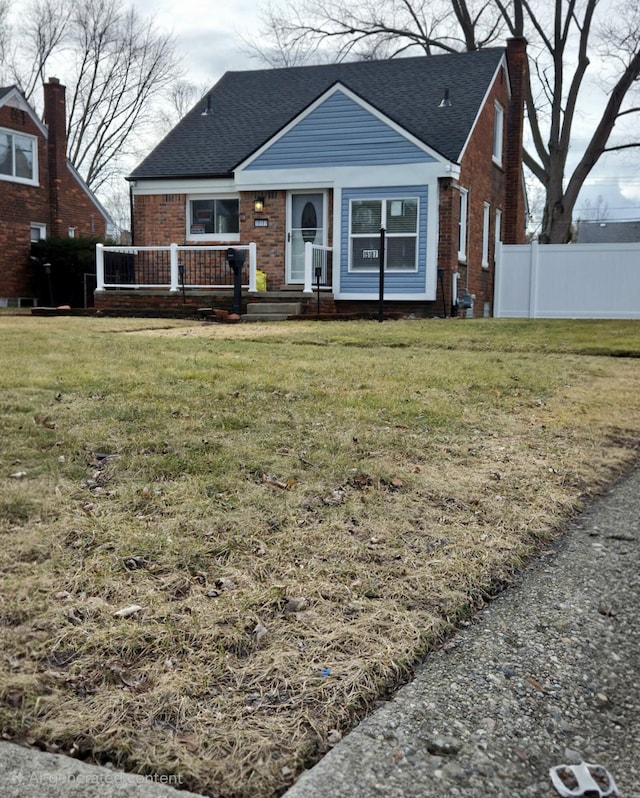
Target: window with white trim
[462, 225]
[485, 235]
[497, 233]
[213, 219]
[498, 133]
[38, 231]
[399, 217]
[18, 157]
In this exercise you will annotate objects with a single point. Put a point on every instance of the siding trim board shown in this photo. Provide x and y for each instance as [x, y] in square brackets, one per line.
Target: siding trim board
[339, 129]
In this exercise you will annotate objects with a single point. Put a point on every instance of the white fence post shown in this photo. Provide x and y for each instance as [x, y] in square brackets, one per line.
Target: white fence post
[99, 267]
[253, 267]
[308, 268]
[534, 263]
[497, 290]
[175, 272]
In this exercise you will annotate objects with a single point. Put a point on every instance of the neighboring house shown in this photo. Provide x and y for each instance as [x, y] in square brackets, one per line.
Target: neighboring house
[430, 148]
[607, 232]
[41, 194]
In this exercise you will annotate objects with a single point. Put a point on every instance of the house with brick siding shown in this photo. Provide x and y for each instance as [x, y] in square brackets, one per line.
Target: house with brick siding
[324, 157]
[41, 194]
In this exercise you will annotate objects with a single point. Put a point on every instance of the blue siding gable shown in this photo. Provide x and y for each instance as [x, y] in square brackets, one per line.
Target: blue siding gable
[339, 132]
[394, 282]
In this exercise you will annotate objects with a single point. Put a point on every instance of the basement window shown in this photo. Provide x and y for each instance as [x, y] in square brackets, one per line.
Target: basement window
[213, 219]
[18, 157]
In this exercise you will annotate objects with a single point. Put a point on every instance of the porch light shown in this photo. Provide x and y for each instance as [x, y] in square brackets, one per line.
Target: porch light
[258, 204]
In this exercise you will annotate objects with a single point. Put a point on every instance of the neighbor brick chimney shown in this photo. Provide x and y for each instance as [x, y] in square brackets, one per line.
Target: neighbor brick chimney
[55, 118]
[514, 221]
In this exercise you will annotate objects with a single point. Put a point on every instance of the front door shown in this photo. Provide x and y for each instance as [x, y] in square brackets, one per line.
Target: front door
[306, 223]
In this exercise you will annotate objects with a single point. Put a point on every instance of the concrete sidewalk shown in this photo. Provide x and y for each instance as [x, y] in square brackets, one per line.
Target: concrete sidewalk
[546, 675]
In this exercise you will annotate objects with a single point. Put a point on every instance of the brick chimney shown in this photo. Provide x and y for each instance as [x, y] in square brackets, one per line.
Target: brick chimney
[55, 118]
[514, 213]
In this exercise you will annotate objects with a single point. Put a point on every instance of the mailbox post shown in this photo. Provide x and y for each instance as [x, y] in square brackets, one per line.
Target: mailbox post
[235, 259]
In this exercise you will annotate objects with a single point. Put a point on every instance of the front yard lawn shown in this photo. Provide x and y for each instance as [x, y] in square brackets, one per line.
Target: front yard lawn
[220, 545]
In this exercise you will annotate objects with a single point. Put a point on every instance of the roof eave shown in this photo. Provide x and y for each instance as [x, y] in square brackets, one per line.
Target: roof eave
[133, 177]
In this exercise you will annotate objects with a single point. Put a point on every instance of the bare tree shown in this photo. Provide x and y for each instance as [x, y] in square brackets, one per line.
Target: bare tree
[4, 36]
[556, 92]
[122, 65]
[116, 65]
[180, 98]
[565, 38]
[375, 29]
[596, 211]
[41, 32]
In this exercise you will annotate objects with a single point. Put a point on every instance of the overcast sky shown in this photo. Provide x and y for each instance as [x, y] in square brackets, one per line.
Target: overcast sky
[210, 33]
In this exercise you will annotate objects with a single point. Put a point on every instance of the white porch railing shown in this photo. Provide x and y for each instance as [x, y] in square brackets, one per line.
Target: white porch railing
[318, 266]
[173, 267]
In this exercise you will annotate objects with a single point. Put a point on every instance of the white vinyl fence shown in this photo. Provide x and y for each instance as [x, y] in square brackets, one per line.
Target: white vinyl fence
[567, 281]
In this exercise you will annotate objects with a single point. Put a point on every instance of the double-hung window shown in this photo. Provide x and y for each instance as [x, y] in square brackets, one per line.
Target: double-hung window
[497, 233]
[462, 225]
[18, 157]
[498, 133]
[213, 219]
[486, 216]
[399, 217]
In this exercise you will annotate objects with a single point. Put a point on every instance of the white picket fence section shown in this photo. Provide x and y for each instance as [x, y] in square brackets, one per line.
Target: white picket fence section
[567, 281]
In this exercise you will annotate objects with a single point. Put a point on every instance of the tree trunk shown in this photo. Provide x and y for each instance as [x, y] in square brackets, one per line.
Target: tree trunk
[556, 222]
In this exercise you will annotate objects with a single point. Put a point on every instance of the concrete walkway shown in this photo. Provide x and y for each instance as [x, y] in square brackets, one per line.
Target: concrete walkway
[548, 674]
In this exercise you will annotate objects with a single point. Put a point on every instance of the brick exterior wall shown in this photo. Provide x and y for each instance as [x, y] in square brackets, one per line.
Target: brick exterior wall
[501, 186]
[21, 205]
[59, 203]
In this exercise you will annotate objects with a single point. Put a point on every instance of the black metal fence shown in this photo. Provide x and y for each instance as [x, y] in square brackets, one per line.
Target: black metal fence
[204, 267]
[322, 267]
[137, 267]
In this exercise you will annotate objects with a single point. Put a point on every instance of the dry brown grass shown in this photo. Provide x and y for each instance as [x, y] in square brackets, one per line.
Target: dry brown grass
[300, 511]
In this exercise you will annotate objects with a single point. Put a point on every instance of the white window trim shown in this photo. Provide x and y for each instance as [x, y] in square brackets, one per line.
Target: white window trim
[498, 133]
[207, 237]
[41, 227]
[25, 181]
[462, 225]
[383, 223]
[497, 233]
[485, 235]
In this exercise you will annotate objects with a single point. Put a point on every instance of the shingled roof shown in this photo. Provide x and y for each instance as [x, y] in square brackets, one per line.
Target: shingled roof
[4, 90]
[249, 108]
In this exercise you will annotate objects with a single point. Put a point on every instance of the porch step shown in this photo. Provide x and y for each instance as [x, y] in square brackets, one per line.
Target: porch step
[271, 311]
